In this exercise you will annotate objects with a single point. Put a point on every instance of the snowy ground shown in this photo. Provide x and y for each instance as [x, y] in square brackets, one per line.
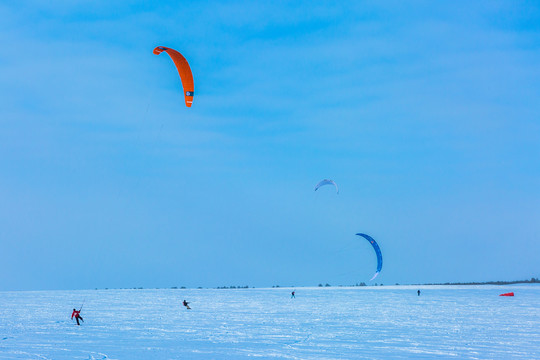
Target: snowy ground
[390, 322]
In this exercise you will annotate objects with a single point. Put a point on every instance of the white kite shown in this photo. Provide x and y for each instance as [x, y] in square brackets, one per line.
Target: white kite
[326, 182]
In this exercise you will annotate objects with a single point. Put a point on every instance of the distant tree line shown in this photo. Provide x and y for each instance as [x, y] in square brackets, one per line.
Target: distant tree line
[531, 281]
[233, 287]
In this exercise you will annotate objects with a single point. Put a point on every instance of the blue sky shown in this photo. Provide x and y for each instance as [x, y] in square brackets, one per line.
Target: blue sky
[426, 115]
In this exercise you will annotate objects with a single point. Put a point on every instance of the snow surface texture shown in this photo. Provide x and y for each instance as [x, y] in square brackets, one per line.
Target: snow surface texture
[390, 322]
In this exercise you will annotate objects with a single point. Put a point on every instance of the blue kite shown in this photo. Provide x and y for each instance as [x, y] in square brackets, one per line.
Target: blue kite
[377, 251]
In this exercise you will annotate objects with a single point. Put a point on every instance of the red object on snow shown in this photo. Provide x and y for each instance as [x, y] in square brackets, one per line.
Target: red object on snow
[507, 294]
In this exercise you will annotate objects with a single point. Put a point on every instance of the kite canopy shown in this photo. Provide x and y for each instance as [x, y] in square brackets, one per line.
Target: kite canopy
[327, 182]
[183, 70]
[377, 252]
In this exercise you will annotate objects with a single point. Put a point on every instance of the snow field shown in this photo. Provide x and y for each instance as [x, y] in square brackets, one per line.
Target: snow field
[389, 322]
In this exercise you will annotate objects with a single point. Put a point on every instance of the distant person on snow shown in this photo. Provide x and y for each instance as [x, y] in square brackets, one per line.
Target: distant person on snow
[186, 304]
[77, 315]
[418, 292]
[292, 295]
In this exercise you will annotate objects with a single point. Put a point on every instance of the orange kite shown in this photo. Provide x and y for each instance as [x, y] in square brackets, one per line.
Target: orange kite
[183, 70]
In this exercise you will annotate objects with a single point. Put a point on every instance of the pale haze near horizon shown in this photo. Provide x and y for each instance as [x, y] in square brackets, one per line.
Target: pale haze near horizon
[425, 114]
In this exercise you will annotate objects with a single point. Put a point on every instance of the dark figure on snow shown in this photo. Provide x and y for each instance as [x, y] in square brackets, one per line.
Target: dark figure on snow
[292, 295]
[186, 304]
[77, 315]
[418, 292]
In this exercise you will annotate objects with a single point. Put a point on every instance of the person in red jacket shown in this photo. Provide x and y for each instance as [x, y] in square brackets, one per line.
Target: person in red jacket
[77, 315]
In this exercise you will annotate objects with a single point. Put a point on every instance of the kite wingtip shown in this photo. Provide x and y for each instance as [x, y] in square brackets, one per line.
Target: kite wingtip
[374, 276]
